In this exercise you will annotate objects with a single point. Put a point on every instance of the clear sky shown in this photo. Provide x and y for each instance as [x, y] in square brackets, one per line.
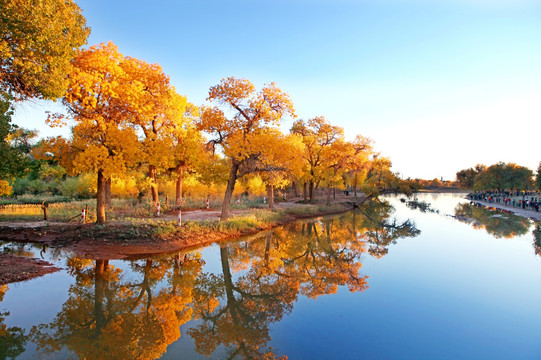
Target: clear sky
[439, 85]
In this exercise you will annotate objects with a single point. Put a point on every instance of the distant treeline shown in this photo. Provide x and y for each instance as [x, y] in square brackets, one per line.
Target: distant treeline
[500, 176]
[434, 184]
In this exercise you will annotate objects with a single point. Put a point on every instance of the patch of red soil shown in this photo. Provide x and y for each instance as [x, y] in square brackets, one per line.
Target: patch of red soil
[120, 240]
[15, 268]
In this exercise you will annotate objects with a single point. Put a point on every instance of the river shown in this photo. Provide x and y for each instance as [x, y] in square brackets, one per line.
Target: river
[431, 279]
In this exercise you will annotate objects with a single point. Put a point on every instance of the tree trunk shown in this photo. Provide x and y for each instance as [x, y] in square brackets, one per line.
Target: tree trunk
[108, 192]
[100, 199]
[176, 278]
[271, 196]
[354, 225]
[153, 174]
[178, 192]
[99, 294]
[328, 228]
[355, 185]
[229, 190]
[311, 191]
[304, 192]
[228, 284]
[334, 193]
[267, 249]
[296, 189]
[328, 195]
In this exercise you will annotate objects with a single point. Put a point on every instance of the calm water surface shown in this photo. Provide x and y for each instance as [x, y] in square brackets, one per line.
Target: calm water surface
[393, 281]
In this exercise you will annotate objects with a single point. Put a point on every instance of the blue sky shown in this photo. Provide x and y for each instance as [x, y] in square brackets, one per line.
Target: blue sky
[438, 85]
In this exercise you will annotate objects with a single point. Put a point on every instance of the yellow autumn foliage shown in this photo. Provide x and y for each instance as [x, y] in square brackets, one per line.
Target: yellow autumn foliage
[5, 188]
[38, 39]
[245, 130]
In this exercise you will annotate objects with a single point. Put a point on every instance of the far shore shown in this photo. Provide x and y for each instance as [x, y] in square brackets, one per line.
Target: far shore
[444, 190]
[527, 213]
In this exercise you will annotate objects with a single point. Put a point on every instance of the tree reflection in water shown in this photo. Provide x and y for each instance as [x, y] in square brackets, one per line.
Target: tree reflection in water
[497, 223]
[110, 315]
[12, 339]
[310, 258]
[378, 230]
[537, 239]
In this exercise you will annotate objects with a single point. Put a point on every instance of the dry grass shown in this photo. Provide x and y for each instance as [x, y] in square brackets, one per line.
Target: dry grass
[64, 211]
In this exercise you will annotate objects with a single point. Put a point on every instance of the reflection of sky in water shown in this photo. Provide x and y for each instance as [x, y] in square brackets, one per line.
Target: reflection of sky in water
[451, 292]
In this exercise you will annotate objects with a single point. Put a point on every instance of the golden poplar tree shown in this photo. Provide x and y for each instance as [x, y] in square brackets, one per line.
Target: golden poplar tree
[187, 153]
[359, 163]
[280, 164]
[242, 129]
[97, 98]
[318, 135]
[334, 165]
[380, 178]
[159, 112]
[38, 39]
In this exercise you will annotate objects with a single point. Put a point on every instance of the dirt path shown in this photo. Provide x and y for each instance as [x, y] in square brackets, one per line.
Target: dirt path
[200, 215]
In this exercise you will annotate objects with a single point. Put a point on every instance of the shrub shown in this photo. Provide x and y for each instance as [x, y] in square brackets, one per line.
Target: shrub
[81, 187]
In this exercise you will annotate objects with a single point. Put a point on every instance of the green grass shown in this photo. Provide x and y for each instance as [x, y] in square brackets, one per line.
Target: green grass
[315, 209]
[258, 219]
[34, 199]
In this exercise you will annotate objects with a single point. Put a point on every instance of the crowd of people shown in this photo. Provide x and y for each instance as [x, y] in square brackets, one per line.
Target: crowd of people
[522, 199]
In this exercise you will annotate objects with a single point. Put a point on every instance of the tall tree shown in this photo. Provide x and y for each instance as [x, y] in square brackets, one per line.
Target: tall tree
[12, 161]
[188, 153]
[38, 39]
[318, 135]
[244, 131]
[359, 163]
[503, 176]
[158, 111]
[336, 161]
[466, 178]
[381, 179]
[538, 177]
[342, 157]
[97, 100]
[278, 164]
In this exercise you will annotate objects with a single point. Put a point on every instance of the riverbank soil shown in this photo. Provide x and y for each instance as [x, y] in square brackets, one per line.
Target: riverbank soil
[122, 239]
[16, 268]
